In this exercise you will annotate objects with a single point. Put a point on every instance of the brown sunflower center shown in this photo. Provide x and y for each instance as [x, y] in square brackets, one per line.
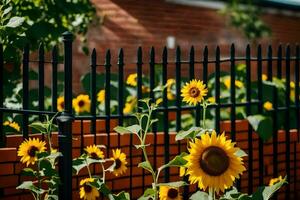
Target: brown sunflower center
[94, 155]
[81, 103]
[194, 92]
[62, 104]
[87, 188]
[214, 161]
[118, 163]
[172, 193]
[32, 150]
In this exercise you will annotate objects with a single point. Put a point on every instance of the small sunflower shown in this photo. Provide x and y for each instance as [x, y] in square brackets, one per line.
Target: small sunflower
[170, 83]
[88, 192]
[60, 104]
[213, 162]
[13, 125]
[82, 103]
[29, 148]
[131, 80]
[101, 96]
[268, 105]
[264, 77]
[237, 83]
[194, 92]
[273, 181]
[211, 100]
[130, 105]
[120, 161]
[169, 193]
[94, 152]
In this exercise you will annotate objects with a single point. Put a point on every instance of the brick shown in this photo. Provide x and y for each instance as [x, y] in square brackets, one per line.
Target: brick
[9, 181]
[8, 154]
[6, 169]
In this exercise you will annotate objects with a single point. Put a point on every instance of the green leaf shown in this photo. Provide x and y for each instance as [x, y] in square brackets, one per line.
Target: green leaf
[78, 164]
[28, 172]
[178, 161]
[15, 22]
[199, 195]
[39, 126]
[262, 125]
[28, 185]
[47, 168]
[146, 165]
[189, 134]
[176, 184]
[240, 153]
[129, 129]
[121, 196]
[148, 194]
[266, 192]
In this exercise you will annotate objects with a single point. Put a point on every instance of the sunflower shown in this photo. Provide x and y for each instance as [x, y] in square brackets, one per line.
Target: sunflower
[169, 193]
[237, 83]
[264, 77]
[88, 192]
[13, 125]
[194, 92]
[60, 104]
[82, 103]
[213, 162]
[273, 181]
[94, 152]
[29, 148]
[101, 96]
[131, 80]
[120, 162]
[170, 83]
[268, 105]
[211, 100]
[130, 105]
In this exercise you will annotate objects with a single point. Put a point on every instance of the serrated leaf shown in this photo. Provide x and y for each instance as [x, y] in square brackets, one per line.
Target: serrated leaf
[28, 185]
[178, 161]
[28, 172]
[199, 195]
[262, 125]
[176, 184]
[15, 22]
[127, 130]
[146, 165]
[148, 194]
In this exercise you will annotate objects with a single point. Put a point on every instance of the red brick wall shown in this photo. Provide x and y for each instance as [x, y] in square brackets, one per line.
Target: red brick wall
[10, 167]
[145, 23]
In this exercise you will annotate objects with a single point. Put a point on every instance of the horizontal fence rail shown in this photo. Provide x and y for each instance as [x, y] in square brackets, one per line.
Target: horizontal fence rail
[157, 70]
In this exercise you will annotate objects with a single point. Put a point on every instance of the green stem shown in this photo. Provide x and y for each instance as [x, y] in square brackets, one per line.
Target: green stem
[103, 172]
[88, 168]
[204, 114]
[39, 179]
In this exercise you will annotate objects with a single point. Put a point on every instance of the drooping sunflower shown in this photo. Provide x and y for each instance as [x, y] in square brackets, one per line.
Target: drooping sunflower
[101, 96]
[13, 125]
[213, 163]
[88, 192]
[169, 193]
[82, 103]
[120, 162]
[194, 92]
[60, 104]
[275, 180]
[131, 80]
[29, 148]
[94, 152]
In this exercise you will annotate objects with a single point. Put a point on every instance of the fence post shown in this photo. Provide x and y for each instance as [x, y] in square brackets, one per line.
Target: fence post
[65, 147]
[65, 124]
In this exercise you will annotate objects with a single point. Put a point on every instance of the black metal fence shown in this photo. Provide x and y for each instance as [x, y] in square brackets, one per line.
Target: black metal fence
[280, 64]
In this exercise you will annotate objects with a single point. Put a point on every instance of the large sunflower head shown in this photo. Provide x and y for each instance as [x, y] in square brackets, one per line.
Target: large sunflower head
[82, 103]
[213, 162]
[88, 192]
[101, 96]
[131, 80]
[120, 162]
[60, 104]
[194, 92]
[169, 193]
[94, 152]
[29, 148]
